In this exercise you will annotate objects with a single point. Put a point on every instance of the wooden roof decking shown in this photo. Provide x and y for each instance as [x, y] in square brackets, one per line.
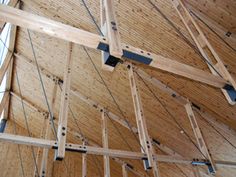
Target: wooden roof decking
[141, 26]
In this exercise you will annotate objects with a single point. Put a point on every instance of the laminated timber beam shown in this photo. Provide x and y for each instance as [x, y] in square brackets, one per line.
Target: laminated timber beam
[145, 141]
[200, 140]
[87, 39]
[206, 50]
[64, 105]
[29, 141]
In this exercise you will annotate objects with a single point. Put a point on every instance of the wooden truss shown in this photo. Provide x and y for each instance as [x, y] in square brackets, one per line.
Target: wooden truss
[62, 126]
[200, 140]
[214, 62]
[177, 97]
[56, 29]
[144, 138]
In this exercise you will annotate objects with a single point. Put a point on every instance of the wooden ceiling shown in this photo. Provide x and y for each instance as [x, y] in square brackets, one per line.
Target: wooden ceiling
[143, 27]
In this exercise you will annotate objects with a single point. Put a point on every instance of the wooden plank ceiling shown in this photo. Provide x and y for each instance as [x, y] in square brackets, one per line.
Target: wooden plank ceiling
[143, 27]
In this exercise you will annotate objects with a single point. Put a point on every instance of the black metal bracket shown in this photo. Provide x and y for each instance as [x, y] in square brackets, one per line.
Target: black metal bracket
[108, 59]
[205, 162]
[112, 61]
[231, 92]
[3, 125]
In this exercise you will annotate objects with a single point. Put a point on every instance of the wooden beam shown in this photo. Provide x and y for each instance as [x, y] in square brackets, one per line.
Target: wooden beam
[173, 66]
[205, 48]
[63, 116]
[29, 141]
[56, 29]
[11, 3]
[115, 48]
[200, 140]
[50, 27]
[145, 141]
[105, 144]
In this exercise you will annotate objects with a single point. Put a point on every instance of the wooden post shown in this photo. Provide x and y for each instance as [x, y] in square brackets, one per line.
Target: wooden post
[43, 167]
[198, 134]
[115, 48]
[39, 150]
[105, 144]
[7, 66]
[84, 163]
[63, 116]
[104, 55]
[205, 48]
[109, 28]
[124, 170]
[144, 138]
